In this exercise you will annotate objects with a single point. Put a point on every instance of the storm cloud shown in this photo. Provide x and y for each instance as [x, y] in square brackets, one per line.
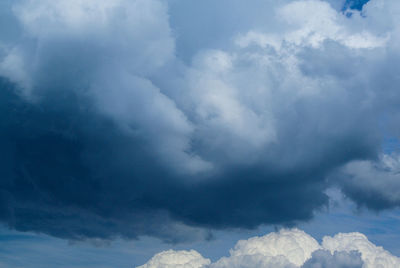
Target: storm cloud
[115, 123]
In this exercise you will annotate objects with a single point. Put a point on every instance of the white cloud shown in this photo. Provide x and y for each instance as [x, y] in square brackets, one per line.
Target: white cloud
[310, 23]
[177, 259]
[372, 255]
[284, 249]
[288, 249]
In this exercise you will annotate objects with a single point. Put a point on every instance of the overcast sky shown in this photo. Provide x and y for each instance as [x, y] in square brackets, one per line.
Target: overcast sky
[129, 128]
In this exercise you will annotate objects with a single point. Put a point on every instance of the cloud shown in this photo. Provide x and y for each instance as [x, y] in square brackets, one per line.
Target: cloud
[373, 256]
[292, 248]
[177, 259]
[115, 123]
[287, 248]
[374, 184]
[339, 259]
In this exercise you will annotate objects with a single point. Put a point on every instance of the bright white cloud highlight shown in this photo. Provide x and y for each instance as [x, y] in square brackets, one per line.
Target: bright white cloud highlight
[177, 259]
[295, 245]
[288, 249]
[309, 24]
[373, 256]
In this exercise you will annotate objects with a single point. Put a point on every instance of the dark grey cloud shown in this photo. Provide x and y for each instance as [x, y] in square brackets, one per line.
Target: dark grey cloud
[72, 173]
[113, 123]
[371, 183]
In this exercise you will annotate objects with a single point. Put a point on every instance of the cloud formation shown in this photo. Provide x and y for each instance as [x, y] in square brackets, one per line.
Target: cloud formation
[177, 259]
[288, 249]
[373, 183]
[114, 123]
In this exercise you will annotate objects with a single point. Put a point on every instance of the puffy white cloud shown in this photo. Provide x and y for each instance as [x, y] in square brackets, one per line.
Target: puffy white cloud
[295, 245]
[310, 23]
[177, 259]
[290, 249]
[373, 256]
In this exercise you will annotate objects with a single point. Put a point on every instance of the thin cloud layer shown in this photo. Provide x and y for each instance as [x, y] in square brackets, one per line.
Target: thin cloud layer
[288, 249]
[115, 124]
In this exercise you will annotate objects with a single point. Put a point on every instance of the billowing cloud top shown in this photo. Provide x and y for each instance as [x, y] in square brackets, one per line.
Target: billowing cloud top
[126, 118]
[175, 259]
[287, 249]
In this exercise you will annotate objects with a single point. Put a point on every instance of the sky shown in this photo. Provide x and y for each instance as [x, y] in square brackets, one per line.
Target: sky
[162, 132]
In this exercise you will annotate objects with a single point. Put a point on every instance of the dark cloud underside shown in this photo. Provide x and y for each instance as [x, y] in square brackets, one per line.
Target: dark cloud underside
[115, 121]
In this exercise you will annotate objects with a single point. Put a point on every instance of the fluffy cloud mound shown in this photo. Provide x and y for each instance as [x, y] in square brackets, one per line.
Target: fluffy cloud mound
[294, 244]
[372, 255]
[120, 119]
[177, 259]
[290, 249]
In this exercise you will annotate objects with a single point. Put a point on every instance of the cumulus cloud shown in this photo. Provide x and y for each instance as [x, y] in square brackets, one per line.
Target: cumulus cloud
[177, 259]
[287, 248]
[373, 256]
[290, 249]
[116, 123]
